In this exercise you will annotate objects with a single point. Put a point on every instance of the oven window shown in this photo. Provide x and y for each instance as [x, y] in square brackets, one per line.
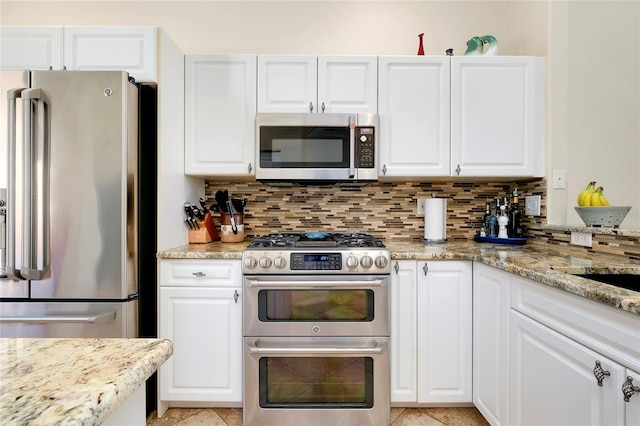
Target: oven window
[304, 147]
[314, 305]
[312, 382]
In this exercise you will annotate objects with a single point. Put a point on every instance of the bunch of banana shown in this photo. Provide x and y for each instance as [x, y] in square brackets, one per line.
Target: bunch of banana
[592, 196]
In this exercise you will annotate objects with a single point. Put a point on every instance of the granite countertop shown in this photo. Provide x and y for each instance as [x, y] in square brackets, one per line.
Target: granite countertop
[550, 265]
[73, 381]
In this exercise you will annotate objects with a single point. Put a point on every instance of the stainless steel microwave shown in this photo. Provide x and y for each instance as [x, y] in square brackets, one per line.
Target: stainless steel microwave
[316, 147]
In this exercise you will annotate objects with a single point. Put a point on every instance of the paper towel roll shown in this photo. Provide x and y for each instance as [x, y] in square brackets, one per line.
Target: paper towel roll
[435, 219]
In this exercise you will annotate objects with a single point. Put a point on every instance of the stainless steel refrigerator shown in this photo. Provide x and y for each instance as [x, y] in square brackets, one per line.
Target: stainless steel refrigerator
[77, 220]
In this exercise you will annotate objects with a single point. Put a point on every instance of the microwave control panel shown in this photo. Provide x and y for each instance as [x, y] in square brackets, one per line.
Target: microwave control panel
[366, 147]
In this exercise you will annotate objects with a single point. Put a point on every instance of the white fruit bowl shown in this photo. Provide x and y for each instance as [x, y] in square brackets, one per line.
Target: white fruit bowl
[602, 216]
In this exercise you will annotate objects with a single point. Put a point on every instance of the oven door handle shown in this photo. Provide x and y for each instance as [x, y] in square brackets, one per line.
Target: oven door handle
[299, 284]
[315, 350]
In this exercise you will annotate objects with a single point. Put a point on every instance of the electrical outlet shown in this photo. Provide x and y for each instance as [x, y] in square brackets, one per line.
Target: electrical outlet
[420, 210]
[532, 205]
[581, 239]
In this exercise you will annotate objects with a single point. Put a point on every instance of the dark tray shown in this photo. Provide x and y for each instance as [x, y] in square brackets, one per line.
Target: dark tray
[494, 240]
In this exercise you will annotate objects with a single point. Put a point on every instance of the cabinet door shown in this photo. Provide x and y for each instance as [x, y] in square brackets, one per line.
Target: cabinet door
[348, 84]
[220, 110]
[403, 340]
[632, 407]
[444, 331]
[491, 309]
[287, 83]
[413, 107]
[205, 326]
[30, 48]
[132, 49]
[496, 116]
[553, 383]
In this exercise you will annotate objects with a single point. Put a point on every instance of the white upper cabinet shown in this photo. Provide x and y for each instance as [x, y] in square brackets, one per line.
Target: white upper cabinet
[132, 49]
[32, 48]
[220, 111]
[317, 84]
[413, 97]
[497, 116]
[461, 116]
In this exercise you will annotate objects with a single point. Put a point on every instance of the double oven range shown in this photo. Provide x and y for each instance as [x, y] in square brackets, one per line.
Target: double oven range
[316, 330]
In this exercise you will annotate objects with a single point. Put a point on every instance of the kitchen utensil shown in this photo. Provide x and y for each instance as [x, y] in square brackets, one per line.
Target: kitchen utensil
[238, 204]
[221, 200]
[203, 205]
[231, 210]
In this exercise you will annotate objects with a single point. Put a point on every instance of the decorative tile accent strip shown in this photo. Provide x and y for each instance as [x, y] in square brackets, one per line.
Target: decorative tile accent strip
[384, 209]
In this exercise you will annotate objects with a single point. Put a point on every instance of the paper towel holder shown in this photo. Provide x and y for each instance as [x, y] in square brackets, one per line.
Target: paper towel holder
[435, 220]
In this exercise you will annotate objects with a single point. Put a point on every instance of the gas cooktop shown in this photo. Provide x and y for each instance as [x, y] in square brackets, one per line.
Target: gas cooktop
[316, 253]
[315, 239]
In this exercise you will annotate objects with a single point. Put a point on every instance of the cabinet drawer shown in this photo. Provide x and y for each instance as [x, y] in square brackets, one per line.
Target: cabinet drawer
[200, 273]
[607, 330]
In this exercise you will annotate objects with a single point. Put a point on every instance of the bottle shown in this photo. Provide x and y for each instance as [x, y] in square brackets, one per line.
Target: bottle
[484, 226]
[515, 217]
[503, 221]
[493, 222]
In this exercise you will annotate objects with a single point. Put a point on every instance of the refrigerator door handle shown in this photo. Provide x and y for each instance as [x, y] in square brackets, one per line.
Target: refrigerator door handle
[101, 317]
[10, 235]
[36, 256]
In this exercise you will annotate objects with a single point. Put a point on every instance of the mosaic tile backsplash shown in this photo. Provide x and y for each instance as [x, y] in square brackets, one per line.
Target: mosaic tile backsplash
[384, 209]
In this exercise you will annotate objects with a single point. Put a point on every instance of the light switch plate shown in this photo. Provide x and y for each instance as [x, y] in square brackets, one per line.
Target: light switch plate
[532, 205]
[559, 179]
[420, 210]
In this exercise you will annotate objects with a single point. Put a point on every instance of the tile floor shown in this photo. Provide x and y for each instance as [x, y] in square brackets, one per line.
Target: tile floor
[399, 417]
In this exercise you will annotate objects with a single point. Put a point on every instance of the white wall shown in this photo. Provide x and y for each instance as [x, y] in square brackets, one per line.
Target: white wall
[592, 51]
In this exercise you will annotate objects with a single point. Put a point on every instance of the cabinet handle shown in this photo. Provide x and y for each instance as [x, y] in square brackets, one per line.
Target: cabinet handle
[249, 168]
[235, 296]
[425, 268]
[396, 267]
[600, 373]
[199, 274]
[458, 170]
[384, 169]
[323, 107]
[628, 389]
[310, 106]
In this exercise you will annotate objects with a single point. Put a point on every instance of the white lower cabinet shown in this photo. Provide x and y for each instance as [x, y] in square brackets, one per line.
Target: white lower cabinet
[431, 332]
[491, 309]
[201, 313]
[553, 380]
[561, 345]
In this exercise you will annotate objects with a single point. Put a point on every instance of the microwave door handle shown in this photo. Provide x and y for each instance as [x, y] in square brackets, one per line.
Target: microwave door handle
[352, 146]
[10, 234]
[36, 184]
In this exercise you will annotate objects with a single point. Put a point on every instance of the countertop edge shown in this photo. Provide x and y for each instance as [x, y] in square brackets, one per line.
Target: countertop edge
[495, 255]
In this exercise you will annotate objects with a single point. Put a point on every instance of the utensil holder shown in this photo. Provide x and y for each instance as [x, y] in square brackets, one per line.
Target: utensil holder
[226, 228]
[206, 231]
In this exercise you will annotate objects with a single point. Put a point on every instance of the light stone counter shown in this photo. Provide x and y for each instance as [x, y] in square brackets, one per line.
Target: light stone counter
[73, 381]
[546, 264]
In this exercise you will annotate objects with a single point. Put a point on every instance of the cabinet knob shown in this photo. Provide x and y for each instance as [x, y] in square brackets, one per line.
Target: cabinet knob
[199, 274]
[249, 168]
[396, 267]
[600, 373]
[458, 170]
[322, 107]
[628, 389]
[425, 268]
[235, 295]
[384, 169]
[310, 106]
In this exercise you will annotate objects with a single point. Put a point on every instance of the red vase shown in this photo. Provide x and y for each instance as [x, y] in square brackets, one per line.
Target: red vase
[420, 46]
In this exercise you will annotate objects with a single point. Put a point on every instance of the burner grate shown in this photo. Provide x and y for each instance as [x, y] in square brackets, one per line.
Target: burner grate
[316, 239]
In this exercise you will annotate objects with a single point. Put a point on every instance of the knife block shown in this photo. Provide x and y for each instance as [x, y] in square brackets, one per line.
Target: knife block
[206, 231]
